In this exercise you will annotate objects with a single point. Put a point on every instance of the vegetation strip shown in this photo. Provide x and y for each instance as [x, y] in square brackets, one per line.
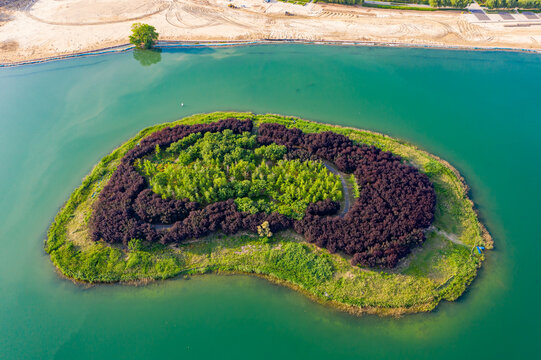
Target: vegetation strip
[438, 270]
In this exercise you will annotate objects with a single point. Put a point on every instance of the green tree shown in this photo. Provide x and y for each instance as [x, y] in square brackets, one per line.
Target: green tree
[143, 36]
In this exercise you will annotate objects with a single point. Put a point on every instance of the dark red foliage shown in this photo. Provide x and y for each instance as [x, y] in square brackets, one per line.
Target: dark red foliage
[122, 212]
[222, 216]
[300, 154]
[395, 205]
[151, 208]
[323, 208]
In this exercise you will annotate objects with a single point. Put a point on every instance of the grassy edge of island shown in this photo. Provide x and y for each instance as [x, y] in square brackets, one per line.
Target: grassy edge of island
[441, 269]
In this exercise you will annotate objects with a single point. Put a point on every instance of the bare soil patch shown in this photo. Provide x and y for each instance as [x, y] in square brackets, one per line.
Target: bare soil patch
[45, 28]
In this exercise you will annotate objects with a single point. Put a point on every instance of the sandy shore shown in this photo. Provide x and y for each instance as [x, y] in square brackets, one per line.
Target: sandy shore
[48, 28]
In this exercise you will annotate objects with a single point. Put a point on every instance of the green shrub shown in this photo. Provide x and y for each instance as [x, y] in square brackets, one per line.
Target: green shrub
[135, 245]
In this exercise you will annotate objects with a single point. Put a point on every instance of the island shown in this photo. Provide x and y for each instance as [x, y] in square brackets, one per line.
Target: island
[351, 218]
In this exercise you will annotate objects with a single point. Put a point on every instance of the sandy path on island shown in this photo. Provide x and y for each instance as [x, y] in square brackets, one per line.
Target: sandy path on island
[451, 237]
[348, 197]
[31, 29]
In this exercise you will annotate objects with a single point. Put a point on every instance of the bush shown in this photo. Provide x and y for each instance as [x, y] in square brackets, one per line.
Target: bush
[134, 245]
[264, 230]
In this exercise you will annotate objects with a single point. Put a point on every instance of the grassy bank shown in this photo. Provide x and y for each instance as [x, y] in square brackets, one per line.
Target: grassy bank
[439, 270]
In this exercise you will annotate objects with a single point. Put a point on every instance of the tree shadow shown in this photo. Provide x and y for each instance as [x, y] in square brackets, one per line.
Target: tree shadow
[147, 57]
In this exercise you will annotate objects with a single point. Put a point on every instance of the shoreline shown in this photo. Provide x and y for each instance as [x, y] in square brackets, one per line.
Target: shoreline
[47, 30]
[395, 312]
[179, 44]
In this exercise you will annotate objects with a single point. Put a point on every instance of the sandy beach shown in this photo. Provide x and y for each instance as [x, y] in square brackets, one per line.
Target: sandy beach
[46, 28]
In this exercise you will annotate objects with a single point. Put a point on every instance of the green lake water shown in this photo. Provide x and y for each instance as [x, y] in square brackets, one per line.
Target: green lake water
[481, 111]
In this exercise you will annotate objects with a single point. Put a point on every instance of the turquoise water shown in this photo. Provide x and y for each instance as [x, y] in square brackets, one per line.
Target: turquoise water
[480, 111]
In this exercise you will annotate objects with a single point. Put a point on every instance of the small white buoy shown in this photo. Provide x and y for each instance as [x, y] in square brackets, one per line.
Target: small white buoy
[182, 104]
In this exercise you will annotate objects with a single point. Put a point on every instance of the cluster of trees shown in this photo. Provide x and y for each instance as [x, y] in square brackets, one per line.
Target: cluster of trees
[220, 166]
[114, 217]
[523, 4]
[223, 216]
[296, 184]
[461, 4]
[291, 186]
[395, 204]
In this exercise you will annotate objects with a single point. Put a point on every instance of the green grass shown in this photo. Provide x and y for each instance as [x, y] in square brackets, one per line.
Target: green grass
[439, 270]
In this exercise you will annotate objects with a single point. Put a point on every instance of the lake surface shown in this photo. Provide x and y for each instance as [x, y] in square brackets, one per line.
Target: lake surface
[481, 111]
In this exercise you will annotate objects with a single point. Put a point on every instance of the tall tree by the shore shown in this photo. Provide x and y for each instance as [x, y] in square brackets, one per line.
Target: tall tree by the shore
[143, 36]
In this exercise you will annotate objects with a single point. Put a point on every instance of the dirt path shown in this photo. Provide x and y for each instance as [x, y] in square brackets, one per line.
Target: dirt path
[451, 237]
[348, 191]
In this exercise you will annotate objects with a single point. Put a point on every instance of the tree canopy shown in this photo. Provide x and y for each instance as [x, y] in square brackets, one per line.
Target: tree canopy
[211, 167]
[143, 36]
